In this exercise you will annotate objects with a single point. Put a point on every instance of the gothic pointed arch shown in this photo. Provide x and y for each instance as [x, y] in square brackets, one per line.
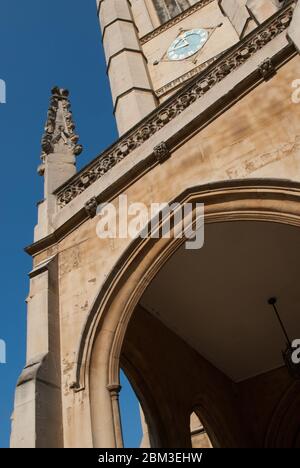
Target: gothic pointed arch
[260, 200]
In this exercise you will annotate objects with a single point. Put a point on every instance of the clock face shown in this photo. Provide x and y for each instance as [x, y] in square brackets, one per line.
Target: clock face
[187, 44]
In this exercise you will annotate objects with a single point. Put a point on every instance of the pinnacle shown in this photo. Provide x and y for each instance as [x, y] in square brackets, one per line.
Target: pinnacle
[59, 136]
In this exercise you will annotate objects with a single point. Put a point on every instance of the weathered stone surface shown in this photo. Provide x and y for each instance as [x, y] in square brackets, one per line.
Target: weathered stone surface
[236, 147]
[132, 91]
[236, 11]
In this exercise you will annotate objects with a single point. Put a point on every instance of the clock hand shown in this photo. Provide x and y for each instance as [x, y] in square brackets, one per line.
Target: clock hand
[181, 46]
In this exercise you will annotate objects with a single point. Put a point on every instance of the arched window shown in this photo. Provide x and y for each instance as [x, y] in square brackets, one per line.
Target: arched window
[130, 415]
[199, 435]
[167, 9]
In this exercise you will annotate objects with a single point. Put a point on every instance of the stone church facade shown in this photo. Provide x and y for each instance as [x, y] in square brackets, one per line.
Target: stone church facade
[206, 103]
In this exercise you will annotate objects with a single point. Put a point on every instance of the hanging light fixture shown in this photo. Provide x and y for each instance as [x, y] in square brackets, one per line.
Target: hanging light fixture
[292, 366]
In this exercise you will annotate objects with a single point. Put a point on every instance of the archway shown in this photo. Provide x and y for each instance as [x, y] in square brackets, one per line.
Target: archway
[108, 321]
[203, 331]
[199, 436]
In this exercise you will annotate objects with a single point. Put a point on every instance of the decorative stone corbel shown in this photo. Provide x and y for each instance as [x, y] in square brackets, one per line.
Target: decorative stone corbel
[91, 207]
[267, 69]
[161, 152]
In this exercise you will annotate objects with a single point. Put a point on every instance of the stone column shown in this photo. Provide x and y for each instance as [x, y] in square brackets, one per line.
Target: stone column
[144, 16]
[37, 417]
[132, 92]
[114, 394]
[102, 413]
[145, 442]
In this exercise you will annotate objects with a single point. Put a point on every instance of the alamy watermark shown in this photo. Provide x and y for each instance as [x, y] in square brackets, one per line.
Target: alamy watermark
[2, 92]
[296, 353]
[2, 352]
[161, 220]
[296, 93]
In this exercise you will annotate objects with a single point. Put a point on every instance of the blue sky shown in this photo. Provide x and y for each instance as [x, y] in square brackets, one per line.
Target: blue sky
[42, 44]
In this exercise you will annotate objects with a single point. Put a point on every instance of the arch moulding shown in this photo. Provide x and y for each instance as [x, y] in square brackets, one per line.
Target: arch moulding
[98, 356]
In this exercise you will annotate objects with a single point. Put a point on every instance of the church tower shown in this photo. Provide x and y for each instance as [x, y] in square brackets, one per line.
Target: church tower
[206, 99]
[154, 47]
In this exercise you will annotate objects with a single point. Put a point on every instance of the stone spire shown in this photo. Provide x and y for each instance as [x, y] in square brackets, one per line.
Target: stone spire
[60, 136]
[59, 150]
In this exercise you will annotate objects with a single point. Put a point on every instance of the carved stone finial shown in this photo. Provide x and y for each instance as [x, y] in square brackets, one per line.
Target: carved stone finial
[60, 133]
[267, 69]
[161, 152]
[91, 207]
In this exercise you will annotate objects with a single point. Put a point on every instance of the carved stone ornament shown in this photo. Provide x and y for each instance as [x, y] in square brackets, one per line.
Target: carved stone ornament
[91, 207]
[161, 152]
[267, 69]
[59, 133]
